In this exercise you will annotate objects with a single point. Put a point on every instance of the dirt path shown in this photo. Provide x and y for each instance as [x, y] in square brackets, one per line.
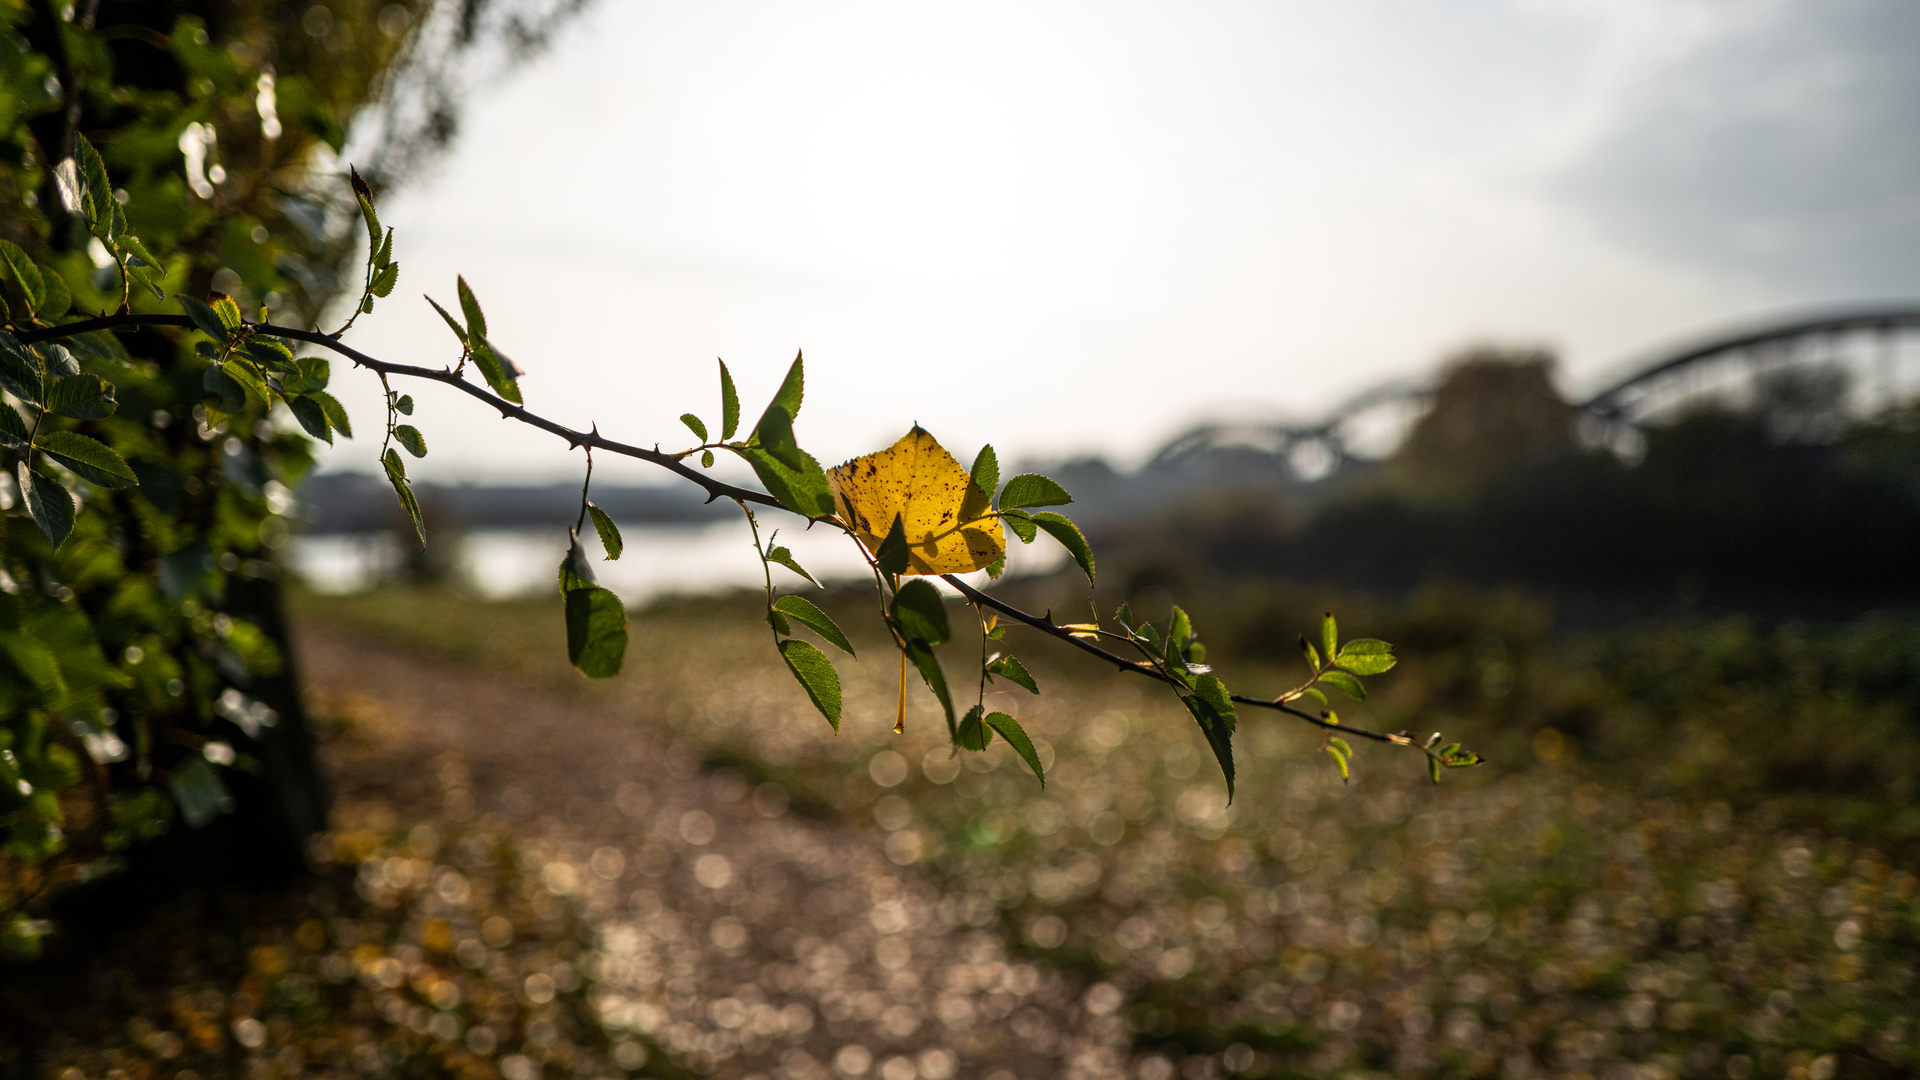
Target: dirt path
[749, 940]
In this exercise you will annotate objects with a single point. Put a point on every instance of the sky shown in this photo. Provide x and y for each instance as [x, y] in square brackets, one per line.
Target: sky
[1070, 228]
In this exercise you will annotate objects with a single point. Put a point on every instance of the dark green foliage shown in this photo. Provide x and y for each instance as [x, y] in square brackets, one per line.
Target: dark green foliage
[816, 675]
[802, 611]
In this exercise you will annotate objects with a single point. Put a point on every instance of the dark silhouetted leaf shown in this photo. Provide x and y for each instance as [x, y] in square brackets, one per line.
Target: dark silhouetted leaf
[921, 614]
[972, 734]
[50, 505]
[312, 418]
[1016, 737]
[82, 397]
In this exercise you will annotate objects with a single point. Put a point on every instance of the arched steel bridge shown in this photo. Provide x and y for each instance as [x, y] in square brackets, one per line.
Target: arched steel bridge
[1878, 346]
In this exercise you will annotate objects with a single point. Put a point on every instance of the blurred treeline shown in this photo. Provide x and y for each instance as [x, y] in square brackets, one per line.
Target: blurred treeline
[1786, 504]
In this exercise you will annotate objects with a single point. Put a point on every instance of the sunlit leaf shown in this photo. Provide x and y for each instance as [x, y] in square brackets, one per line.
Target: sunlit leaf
[816, 675]
[336, 413]
[499, 372]
[1032, 489]
[1329, 637]
[397, 476]
[1366, 656]
[729, 404]
[803, 490]
[203, 317]
[609, 532]
[1346, 684]
[986, 470]
[452, 323]
[694, 424]
[785, 558]
[470, 307]
[33, 285]
[1070, 537]
[13, 430]
[1014, 672]
[409, 436]
[948, 526]
[803, 612]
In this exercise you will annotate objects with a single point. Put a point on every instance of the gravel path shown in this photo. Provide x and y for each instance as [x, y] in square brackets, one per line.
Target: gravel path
[748, 940]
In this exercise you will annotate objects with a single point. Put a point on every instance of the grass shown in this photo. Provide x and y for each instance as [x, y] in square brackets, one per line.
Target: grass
[1689, 856]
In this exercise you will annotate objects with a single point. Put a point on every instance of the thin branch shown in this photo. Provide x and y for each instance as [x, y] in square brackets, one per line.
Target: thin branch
[714, 488]
[1047, 626]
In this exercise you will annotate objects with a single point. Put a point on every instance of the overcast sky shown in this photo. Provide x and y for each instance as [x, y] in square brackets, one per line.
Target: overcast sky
[1067, 228]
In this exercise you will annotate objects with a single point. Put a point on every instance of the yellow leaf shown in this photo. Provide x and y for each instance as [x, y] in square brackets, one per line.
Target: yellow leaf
[949, 522]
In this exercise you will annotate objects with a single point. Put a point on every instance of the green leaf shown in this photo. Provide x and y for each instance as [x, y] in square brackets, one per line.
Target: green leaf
[706, 459]
[97, 200]
[1214, 693]
[596, 632]
[1016, 736]
[248, 379]
[470, 307]
[1462, 759]
[802, 611]
[785, 558]
[997, 567]
[929, 667]
[273, 354]
[609, 532]
[13, 430]
[1341, 744]
[452, 324]
[496, 369]
[82, 397]
[33, 286]
[226, 311]
[1219, 733]
[404, 405]
[397, 476]
[1433, 768]
[203, 317]
[892, 556]
[50, 505]
[779, 623]
[1179, 632]
[921, 614]
[218, 382]
[22, 373]
[59, 299]
[972, 734]
[336, 413]
[1345, 683]
[312, 418]
[1329, 637]
[309, 374]
[1340, 757]
[1014, 672]
[409, 436]
[35, 662]
[364, 196]
[803, 490]
[693, 423]
[384, 257]
[787, 398]
[198, 792]
[90, 459]
[1070, 537]
[576, 572]
[1312, 654]
[1032, 489]
[986, 470]
[816, 676]
[1366, 656]
[1315, 695]
[1021, 522]
[774, 434]
[729, 404]
[385, 279]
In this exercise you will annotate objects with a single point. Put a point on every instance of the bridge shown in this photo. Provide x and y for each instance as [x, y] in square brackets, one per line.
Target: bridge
[1873, 346]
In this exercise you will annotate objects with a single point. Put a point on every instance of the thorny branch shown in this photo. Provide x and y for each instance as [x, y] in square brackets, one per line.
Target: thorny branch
[715, 489]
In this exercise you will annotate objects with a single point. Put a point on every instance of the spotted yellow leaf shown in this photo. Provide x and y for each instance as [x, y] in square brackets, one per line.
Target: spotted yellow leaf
[948, 521]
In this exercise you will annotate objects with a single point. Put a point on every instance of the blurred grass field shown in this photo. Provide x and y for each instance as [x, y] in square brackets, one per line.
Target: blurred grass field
[1690, 855]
